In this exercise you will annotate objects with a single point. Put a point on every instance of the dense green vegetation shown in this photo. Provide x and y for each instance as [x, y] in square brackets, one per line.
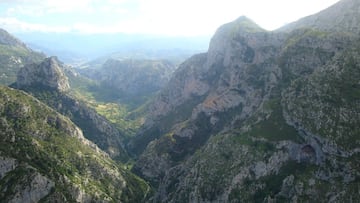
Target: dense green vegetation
[109, 103]
[50, 143]
[12, 58]
[274, 128]
[277, 121]
[337, 94]
[95, 127]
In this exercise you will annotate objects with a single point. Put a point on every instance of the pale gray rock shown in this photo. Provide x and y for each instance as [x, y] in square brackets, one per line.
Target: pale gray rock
[48, 74]
[342, 17]
[38, 187]
[188, 82]
[252, 83]
[7, 164]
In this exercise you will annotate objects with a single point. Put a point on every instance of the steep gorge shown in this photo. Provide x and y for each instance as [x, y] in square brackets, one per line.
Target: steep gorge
[262, 116]
[45, 157]
[48, 82]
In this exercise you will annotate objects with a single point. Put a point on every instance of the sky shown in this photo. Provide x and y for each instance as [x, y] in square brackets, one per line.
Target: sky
[155, 17]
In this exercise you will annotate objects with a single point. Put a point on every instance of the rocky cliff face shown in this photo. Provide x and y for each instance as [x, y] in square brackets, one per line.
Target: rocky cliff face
[13, 55]
[48, 82]
[47, 74]
[325, 103]
[45, 157]
[341, 17]
[261, 117]
[236, 75]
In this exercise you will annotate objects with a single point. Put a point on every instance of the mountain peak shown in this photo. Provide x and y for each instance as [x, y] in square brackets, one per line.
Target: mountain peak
[49, 74]
[8, 39]
[245, 24]
[236, 31]
[341, 17]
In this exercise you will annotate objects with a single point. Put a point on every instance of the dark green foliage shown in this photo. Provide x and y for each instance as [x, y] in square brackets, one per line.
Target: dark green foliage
[185, 146]
[226, 117]
[337, 94]
[139, 143]
[104, 93]
[345, 87]
[306, 102]
[275, 128]
[48, 143]
[180, 114]
[86, 118]
[273, 182]
[16, 177]
[12, 58]
[255, 76]
[303, 52]
[181, 147]
[121, 110]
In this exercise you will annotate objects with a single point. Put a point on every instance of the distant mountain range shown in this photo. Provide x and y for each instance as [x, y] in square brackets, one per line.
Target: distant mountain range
[260, 117]
[133, 80]
[45, 156]
[77, 49]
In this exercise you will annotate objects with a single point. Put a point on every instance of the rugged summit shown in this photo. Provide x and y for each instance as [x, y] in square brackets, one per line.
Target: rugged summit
[261, 117]
[48, 82]
[341, 17]
[214, 83]
[47, 74]
[13, 55]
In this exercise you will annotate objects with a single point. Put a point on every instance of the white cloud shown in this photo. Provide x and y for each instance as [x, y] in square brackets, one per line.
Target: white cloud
[41, 8]
[15, 25]
[276, 13]
[167, 17]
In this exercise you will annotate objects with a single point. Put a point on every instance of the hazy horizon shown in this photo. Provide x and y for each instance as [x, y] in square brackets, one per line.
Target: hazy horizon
[87, 29]
[155, 17]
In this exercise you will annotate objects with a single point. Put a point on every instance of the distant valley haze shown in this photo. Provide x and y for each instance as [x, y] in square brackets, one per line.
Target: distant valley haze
[83, 30]
[179, 101]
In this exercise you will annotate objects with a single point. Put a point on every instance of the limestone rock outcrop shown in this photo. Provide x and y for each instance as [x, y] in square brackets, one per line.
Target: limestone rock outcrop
[261, 117]
[47, 74]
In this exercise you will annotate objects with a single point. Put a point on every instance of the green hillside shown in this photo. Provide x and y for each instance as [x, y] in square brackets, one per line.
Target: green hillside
[47, 148]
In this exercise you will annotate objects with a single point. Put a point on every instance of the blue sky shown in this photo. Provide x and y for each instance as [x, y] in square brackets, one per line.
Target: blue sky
[157, 17]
